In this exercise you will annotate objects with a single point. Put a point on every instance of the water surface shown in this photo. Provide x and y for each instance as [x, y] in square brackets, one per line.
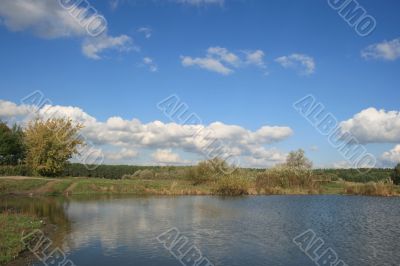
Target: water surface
[229, 231]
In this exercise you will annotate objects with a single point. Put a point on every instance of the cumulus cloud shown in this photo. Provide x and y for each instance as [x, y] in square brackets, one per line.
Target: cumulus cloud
[386, 50]
[392, 157]
[44, 18]
[222, 61]
[255, 58]
[374, 126]
[133, 135]
[149, 62]
[12, 110]
[166, 156]
[303, 64]
[121, 155]
[48, 19]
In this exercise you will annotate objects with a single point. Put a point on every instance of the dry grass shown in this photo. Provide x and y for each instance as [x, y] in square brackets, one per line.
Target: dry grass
[232, 185]
[282, 180]
[371, 189]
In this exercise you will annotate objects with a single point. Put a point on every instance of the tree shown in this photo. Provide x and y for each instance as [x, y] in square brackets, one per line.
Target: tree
[396, 175]
[12, 149]
[298, 160]
[50, 144]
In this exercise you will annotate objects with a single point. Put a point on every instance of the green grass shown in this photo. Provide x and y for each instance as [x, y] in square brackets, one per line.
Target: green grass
[59, 187]
[234, 185]
[138, 187]
[12, 227]
[8, 186]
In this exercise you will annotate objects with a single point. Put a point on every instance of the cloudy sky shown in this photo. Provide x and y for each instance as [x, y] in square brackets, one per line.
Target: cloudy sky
[238, 66]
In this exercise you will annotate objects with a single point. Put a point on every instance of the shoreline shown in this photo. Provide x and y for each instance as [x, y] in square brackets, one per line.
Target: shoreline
[36, 186]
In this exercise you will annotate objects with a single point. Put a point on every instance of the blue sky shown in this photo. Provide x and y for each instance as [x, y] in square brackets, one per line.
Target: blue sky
[239, 63]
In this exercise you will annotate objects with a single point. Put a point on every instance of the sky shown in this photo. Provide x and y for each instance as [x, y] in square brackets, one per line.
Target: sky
[239, 66]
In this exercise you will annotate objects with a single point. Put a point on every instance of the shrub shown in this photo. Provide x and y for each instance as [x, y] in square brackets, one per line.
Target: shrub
[207, 171]
[284, 177]
[101, 171]
[297, 159]
[232, 185]
[144, 174]
[15, 170]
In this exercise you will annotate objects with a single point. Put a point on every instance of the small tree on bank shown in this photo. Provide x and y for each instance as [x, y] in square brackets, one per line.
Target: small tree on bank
[396, 175]
[298, 160]
[50, 144]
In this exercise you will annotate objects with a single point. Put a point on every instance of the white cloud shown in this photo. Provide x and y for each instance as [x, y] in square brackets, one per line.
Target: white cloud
[223, 55]
[255, 58]
[48, 19]
[147, 31]
[12, 110]
[44, 18]
[210, 64]
[123, 154]
[194, 139]
[93, 47]
[304, 64]
[386, 50]
[166, 156]
[262, 158]
[222, 61]
[392, 157]
[374, 126]
[150, 63]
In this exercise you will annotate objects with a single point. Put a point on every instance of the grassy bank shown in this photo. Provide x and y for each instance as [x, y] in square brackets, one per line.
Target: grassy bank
[12, 228]
[267, 184]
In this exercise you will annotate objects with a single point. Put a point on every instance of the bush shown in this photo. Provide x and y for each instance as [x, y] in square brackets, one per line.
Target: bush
[144, 174]
[284, 177]
[232, 185]
[101, 171]
[207, 171]
[15, 170]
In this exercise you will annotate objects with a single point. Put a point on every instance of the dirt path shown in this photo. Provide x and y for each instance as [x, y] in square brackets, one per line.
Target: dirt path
[70, 188]
[48, 187]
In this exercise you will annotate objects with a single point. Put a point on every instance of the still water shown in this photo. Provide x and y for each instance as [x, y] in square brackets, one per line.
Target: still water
[228, 231]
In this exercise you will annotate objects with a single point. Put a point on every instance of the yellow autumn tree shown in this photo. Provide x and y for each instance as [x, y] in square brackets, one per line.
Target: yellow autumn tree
[50, 144]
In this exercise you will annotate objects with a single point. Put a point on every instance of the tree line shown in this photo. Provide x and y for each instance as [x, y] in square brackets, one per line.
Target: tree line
[44, 148]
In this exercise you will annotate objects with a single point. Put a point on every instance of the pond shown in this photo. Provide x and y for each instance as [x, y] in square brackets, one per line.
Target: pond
[227, 231]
